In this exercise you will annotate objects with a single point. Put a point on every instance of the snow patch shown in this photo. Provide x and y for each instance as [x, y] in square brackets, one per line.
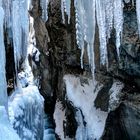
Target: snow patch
[60, 119]
[83, 95]
[115, 94]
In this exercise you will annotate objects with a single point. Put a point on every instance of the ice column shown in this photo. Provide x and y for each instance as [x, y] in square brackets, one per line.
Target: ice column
[20, 27]
[3, 84]
[101, 21]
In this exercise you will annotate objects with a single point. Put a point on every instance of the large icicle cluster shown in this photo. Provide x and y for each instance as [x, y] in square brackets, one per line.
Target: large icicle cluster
[106, 14]
[16, 22]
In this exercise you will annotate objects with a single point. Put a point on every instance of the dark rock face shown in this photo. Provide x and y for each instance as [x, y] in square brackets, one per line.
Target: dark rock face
[43, 67]
[102, 99]
[130, 47]
[71, 124]
[123, 123]
[10, 64]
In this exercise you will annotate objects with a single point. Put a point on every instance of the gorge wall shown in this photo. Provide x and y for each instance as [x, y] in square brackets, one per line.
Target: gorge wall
[107, 107]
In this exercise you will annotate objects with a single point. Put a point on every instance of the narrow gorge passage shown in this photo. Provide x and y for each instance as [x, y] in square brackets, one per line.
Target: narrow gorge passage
[70, 70]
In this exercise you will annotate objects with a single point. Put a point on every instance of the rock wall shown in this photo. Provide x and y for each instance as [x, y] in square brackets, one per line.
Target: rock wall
[60, 56]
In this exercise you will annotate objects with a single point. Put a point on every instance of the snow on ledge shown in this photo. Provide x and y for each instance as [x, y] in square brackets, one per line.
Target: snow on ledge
[83, 95]
[60, 120]
[59, 117]
[115, 94]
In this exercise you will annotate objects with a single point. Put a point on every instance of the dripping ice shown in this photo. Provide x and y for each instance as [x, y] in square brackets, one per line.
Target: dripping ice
[44, 5]
[108, 14]
[85, 29]
[65, 8]
[20, 29]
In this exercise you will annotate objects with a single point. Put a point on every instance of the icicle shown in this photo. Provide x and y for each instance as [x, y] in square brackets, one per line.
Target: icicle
[20, 27]
[62, 11]
[85, 29]
[101, 21]
[29, 4]
[89, 7]
[138, 14]
[80, 26]
[118, 23]
[24, 26]
[65, 8]
[108, 13]
[108, 17]
[16, 24]
[7, 19]
[44, 5]
[3, 84]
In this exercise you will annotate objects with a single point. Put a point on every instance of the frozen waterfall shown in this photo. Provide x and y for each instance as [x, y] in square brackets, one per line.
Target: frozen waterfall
[21, 115]
[20, 27]
[17, 24]
[3, 84]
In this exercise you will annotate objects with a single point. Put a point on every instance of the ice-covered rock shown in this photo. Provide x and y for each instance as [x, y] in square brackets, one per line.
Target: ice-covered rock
[6, 130]
[3, 84]
[26, 113]
[83, 95]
